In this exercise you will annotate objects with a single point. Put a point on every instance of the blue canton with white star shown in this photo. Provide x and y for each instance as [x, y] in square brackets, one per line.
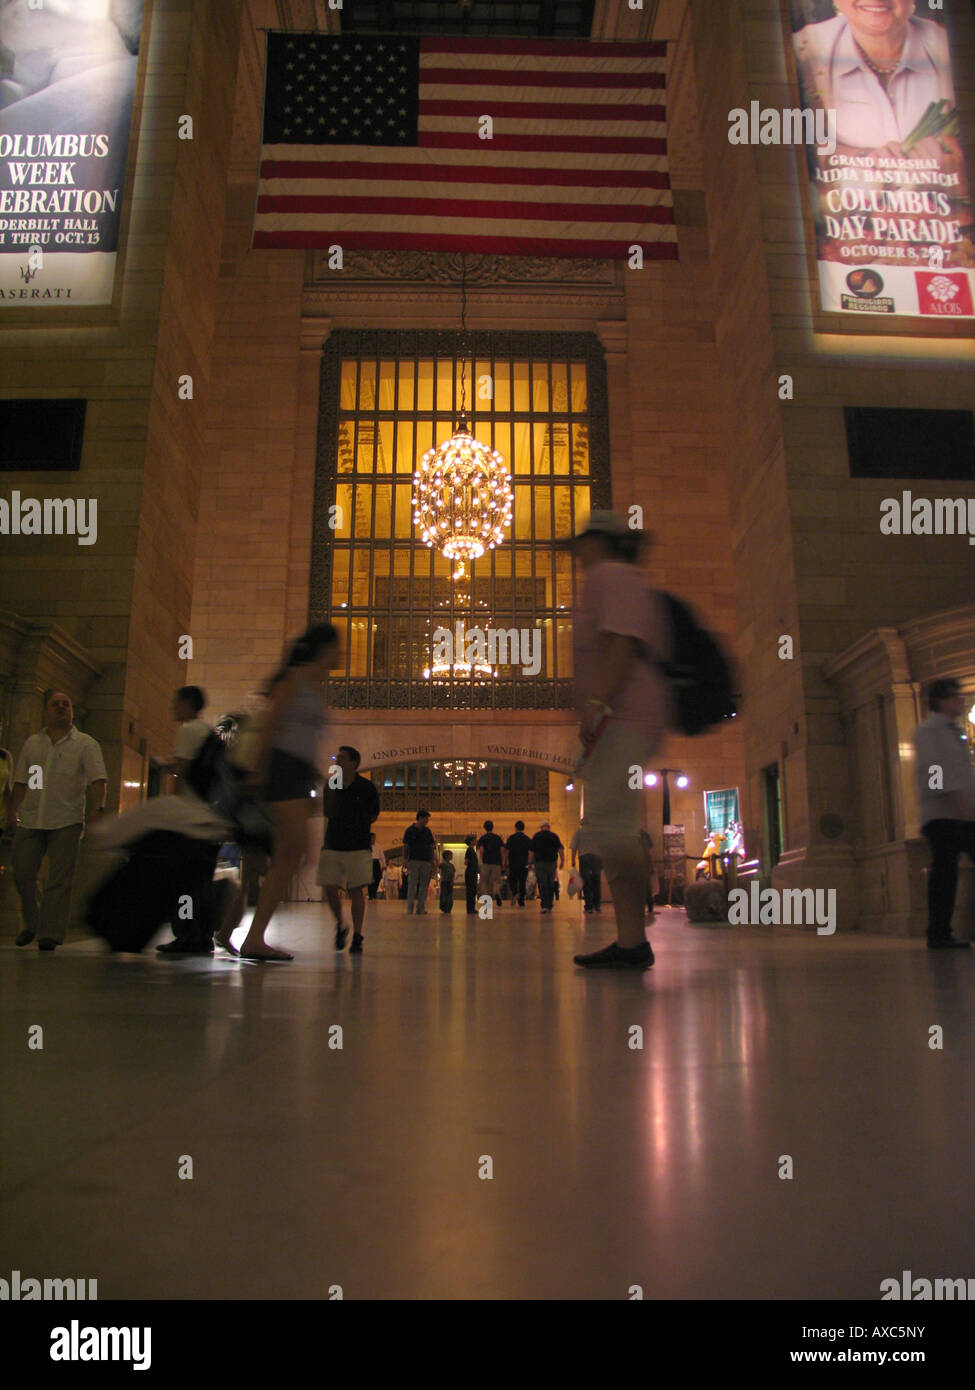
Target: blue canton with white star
[348, 89]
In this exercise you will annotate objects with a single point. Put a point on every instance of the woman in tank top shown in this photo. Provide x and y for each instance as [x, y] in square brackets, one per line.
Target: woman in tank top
[291, 767]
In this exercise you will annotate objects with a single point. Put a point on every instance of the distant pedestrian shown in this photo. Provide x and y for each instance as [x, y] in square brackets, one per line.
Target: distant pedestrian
[349, 811]
[517, 849]
[421, 860]
[447, 872]
[591, 868]
[646, 842]
[490, 848]
[471, 872]
[546, 848]
[947, 810]
[292, 758]
[621, 635]
[378, 866]
[55, 771]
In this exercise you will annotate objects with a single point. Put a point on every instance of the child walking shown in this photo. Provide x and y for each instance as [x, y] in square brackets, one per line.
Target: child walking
[447, 872]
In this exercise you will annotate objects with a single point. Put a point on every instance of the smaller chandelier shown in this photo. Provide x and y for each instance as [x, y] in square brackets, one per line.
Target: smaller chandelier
[462, 498]
[459, 670]
[460, 770]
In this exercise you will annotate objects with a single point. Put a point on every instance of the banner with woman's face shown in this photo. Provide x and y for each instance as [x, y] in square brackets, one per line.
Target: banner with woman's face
[891, 202]
[67, 84]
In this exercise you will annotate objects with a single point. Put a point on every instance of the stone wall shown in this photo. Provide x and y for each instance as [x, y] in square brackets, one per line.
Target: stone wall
[126, 598]
[810, 560]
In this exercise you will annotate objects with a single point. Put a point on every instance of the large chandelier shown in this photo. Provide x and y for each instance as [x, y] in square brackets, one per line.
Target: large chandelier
[462, 496]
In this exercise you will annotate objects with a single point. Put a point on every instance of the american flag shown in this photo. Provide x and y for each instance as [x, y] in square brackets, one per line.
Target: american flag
[375, 142]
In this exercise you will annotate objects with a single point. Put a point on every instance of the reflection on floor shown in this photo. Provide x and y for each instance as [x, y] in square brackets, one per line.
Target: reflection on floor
[489, 1127]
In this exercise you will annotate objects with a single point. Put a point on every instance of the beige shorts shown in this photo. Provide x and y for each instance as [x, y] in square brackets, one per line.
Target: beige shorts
[613, 808]
[353, 866]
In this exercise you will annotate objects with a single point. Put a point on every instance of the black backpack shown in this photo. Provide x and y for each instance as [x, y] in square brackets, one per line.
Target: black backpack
[207, 768]
[222, 786]
[701, 678]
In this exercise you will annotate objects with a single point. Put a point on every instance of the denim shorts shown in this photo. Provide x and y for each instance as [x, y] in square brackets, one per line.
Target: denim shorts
[290, 778]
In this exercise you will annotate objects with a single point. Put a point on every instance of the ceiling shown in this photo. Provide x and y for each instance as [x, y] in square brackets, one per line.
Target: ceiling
[562, 19]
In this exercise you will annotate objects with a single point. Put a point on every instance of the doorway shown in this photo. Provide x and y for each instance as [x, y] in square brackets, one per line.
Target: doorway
[772, 814]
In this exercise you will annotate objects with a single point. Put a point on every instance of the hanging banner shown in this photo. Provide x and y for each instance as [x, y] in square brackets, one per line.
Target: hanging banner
[894, 228]
[67, 83]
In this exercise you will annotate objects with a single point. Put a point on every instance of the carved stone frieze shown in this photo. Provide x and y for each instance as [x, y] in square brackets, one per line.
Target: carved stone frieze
[411, 268]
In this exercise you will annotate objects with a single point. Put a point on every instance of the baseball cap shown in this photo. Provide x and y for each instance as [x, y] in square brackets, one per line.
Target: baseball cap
[600, 523]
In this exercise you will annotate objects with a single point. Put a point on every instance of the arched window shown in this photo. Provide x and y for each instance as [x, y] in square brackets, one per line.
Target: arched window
[540, 400]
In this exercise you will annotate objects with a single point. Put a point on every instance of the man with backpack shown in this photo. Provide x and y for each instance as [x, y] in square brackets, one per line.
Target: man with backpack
[642, 666]
[624, 706]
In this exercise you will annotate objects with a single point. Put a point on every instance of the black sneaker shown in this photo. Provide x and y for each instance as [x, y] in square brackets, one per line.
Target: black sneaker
[341, 936]
[47, 943]
[25, 937]
[947, 943]
[356, 948]
[635, 957]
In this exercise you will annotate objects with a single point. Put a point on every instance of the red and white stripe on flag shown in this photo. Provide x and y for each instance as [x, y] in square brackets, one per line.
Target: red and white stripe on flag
[576, 162]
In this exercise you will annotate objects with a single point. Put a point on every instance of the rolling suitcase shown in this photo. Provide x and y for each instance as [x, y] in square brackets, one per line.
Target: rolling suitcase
[145, 892]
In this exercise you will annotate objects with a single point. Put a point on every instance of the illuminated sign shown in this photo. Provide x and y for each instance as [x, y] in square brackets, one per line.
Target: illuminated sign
[895, 234]
[67, 83]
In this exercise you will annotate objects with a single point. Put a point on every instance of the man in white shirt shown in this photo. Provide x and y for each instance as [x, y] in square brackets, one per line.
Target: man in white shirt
[188, 704]
[55, 770]
[946, 797]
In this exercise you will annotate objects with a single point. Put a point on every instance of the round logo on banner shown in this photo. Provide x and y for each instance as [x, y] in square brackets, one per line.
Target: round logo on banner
[865, 284]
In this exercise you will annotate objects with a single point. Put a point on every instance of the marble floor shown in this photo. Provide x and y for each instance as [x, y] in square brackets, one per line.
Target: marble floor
[489, 1127]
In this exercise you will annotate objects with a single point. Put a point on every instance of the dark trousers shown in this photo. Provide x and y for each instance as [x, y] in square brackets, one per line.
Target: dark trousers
[377, 874]
[447, 896]
[517, 873]
[948, 839]
[470, 888]
[591, 867]
[545, 873]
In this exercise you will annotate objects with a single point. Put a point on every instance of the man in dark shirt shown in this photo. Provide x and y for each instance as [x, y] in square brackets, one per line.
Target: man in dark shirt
[517, 851]
[350, 810]
[421, 860]
[490, 848]
[545, 847]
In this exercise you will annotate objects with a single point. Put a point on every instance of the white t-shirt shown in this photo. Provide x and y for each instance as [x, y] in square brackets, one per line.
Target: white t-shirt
[190, 738]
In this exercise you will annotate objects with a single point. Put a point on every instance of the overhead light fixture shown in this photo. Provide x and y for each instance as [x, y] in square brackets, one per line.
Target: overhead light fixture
[462, 497]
